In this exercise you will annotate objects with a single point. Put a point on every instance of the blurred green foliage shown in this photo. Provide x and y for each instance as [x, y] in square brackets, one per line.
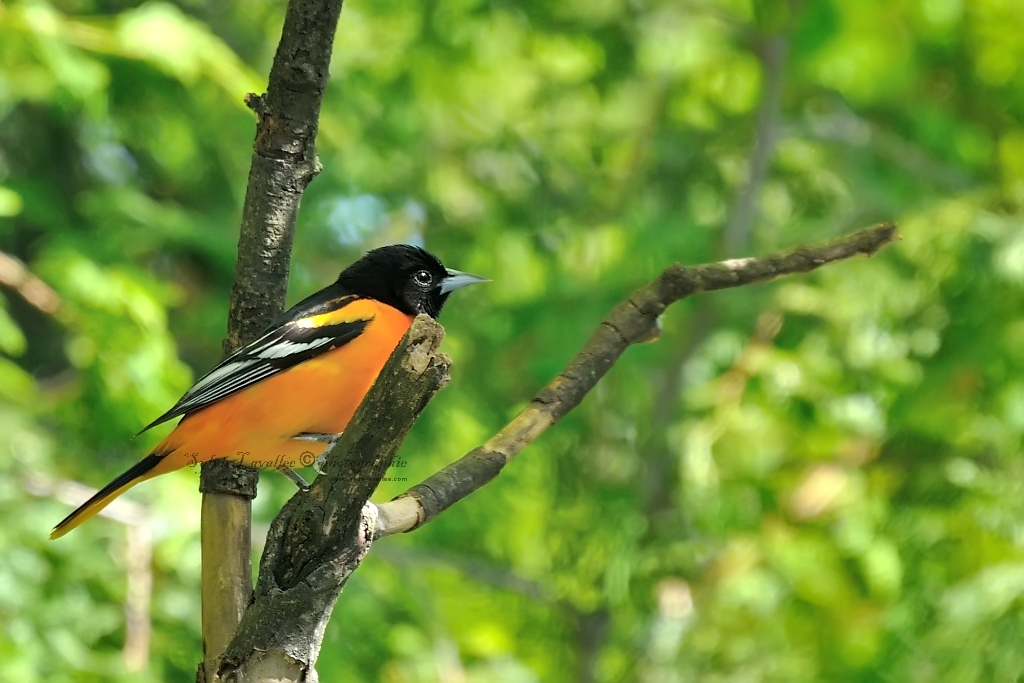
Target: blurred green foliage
[815, 480]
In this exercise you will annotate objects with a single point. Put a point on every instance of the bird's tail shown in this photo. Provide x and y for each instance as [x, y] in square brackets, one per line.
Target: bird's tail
[104, 496]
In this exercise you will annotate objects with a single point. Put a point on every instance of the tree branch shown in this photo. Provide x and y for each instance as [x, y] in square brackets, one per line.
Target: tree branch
[634, 320]
[323, 534]
[284, 161]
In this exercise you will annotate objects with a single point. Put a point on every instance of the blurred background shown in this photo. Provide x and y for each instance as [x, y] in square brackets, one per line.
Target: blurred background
[817, 479]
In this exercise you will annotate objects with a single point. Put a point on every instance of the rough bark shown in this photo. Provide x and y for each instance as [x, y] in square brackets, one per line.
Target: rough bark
[323, 534]
[634, 320]
[284, 161]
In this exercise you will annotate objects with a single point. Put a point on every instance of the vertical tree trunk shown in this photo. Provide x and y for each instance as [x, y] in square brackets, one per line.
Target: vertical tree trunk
[284, 161]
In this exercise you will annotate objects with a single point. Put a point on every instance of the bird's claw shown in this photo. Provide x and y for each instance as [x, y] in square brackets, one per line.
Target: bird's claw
[295, 477]
[329, 439]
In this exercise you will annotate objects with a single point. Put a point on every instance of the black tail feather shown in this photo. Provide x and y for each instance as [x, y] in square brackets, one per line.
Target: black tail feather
[106, 494]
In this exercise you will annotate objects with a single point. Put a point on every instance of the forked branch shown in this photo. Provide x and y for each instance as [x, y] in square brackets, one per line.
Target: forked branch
[322, 535]
[632, 321]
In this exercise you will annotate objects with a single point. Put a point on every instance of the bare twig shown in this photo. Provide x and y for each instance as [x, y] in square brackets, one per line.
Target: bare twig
[632, 321]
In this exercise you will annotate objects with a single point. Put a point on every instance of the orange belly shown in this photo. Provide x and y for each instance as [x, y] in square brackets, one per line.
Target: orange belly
[256, 426]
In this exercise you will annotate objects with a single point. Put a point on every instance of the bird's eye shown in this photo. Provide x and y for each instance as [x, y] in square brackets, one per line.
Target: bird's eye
[423, 278]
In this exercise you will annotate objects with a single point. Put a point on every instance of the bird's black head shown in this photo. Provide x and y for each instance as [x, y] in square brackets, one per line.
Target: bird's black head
[405, 277]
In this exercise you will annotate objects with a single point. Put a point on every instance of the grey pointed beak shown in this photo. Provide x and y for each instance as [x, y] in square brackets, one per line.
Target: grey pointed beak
[458, 280]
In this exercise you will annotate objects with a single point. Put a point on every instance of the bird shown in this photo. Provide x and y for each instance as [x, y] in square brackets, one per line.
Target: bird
[281, 399]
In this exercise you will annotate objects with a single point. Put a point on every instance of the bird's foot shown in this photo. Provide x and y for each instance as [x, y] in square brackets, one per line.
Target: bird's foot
[329, 439]
[295, 477]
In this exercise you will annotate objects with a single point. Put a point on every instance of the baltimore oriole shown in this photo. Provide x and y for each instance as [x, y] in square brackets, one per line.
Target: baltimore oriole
[305, 375]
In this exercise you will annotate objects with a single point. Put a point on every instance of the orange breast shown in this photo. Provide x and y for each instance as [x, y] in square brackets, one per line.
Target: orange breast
[319, 395]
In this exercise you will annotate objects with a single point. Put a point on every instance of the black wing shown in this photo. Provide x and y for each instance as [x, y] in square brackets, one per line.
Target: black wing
[292, 339]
